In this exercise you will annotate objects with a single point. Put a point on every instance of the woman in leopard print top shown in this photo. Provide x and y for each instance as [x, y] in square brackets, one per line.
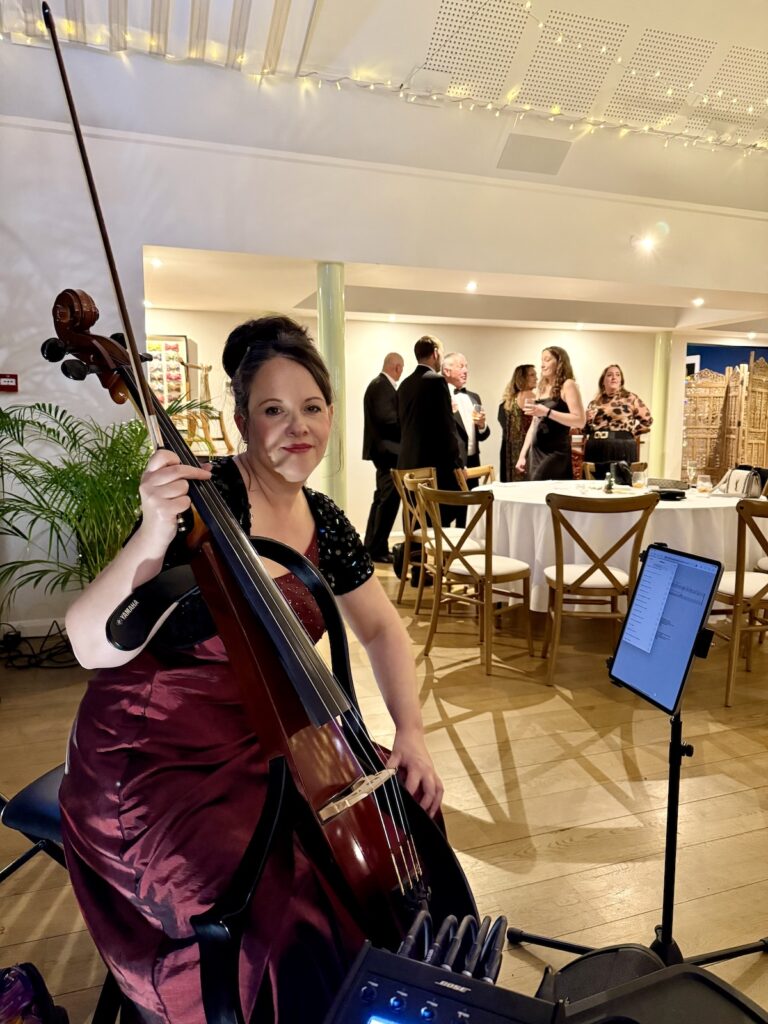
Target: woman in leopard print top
[615, 418]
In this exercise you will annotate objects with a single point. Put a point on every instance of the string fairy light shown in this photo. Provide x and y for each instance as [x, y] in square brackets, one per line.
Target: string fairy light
[690, 98]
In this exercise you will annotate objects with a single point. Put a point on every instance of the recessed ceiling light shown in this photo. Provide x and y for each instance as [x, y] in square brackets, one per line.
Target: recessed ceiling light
[156, 263]
[751, 335]
[579, 327]
[645, 243]
[472, 286]
[698, 301]
[147, 304]
[392, 318]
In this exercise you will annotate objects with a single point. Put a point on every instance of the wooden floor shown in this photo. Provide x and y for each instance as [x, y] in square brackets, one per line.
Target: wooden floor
[555, 800]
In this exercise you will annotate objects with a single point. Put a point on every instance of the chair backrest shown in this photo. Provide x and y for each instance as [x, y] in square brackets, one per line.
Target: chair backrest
[588, 470]
[638, 467]
[750, 511]
[560, 504]
[446, 548]
[408, 499]
[484, 474]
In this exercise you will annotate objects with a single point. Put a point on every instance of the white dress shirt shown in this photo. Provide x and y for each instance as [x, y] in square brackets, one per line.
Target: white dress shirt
[465, 407]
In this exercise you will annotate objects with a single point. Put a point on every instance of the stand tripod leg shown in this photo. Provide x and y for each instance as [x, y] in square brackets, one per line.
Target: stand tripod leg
[716, 957]
[517, 936]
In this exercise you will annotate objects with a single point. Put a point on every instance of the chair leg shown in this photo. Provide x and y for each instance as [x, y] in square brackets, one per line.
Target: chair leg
[557, 621]
[548, 624]
[405, 572]
[420, 591]
[733, 654]
[487, 607]
[437, 595]
[527, 613]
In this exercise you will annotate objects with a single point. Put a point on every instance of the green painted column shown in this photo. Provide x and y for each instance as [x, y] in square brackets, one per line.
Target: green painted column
[662, 365]
[330, 338]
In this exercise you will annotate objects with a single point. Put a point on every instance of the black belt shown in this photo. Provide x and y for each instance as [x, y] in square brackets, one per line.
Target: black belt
[613, 435]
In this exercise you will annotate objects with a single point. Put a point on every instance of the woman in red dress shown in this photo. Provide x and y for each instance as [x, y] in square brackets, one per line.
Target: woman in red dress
[165, 780]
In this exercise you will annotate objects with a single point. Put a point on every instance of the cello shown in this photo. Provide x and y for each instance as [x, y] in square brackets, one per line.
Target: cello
[369, 839]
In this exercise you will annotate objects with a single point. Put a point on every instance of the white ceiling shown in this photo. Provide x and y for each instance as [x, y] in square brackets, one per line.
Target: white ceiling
[662, 100]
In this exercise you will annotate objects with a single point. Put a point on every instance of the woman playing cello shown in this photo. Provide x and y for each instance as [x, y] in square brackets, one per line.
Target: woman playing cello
[165, 780]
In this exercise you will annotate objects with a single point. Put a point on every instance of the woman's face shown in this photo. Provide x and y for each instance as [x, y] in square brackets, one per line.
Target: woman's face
[548, 365]
[612, 380]
[288, 420]
[531, 379]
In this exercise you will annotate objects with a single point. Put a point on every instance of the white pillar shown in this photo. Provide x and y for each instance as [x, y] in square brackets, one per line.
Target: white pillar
[330, 338]
[662, 358]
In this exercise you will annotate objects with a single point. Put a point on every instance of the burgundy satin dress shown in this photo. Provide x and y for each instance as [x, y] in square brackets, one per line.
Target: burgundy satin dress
[163, 789]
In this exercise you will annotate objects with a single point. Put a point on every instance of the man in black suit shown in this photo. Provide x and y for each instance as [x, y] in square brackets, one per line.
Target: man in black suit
[381, 446]
[470, 422]
[428, 432]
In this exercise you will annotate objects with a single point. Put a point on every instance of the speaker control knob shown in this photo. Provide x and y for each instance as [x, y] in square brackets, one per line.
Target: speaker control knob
[398, 1002]
[369, 992]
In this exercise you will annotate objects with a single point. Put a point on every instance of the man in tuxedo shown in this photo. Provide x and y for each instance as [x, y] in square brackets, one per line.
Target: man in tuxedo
[428, 430]
[470, 423]
[381, 446]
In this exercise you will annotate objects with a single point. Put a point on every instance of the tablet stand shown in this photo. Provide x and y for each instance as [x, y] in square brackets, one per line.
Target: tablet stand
[664, 944]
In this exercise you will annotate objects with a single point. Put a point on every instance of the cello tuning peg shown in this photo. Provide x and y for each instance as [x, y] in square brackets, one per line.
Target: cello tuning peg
[119, 337]
[76, 369]
[53, 350]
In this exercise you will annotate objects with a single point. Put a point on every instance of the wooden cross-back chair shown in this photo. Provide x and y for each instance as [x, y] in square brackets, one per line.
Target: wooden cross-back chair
[483, 475]
[588, 469]
[591, 588]
[424, 532]
[413, 554]
[745, 592]
[468, 571]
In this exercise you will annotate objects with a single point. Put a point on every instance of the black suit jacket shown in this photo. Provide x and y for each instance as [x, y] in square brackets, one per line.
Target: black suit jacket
[428, 435]
[381, 430]
[480, 435]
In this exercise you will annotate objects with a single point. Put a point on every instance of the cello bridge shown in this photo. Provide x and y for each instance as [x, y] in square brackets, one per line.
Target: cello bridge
[359, 790]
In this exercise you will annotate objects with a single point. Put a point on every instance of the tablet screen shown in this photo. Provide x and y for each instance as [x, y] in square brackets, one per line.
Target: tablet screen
[671, 603]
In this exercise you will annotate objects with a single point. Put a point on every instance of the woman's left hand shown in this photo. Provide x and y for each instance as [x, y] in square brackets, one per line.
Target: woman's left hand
[537, 409]
[411, 757]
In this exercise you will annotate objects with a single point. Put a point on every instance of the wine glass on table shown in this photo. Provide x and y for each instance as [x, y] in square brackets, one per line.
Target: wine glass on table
[691, 471]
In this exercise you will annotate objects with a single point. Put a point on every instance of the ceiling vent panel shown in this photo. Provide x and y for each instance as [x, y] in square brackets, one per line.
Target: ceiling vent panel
[533, 154]
[476, 44]
[738, 90]
[657, 78]
[573, 55]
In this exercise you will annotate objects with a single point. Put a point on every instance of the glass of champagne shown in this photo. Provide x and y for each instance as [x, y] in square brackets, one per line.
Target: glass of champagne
[703, 483]
[478, 412]
[691, 469]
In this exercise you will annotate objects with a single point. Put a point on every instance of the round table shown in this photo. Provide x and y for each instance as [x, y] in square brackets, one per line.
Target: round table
[522, 527]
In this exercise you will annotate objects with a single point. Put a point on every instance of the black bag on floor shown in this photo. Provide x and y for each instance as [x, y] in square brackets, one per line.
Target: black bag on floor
[397, 559]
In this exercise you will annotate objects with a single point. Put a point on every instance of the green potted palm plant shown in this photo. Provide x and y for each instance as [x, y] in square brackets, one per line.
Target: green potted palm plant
[69, 492]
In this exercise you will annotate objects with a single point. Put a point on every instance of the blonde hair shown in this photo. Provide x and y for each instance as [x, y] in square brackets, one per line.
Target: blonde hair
[517, 383]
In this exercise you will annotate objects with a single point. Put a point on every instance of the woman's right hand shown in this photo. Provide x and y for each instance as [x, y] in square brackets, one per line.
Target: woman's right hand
[521, 463]
[164, 491]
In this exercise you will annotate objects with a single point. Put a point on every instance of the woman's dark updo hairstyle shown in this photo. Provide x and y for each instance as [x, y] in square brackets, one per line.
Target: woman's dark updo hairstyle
[254, 343]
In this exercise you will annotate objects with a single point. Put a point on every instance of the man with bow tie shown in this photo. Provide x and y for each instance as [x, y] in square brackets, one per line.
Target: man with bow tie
[468, 410]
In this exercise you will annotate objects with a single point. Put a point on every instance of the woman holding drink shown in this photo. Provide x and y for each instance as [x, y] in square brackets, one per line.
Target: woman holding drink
[556, 408]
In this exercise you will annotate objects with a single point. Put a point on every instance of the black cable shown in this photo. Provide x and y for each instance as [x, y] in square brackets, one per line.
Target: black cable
[489, 963]
[53, 651]
[444, 936]
[466, 932]
[472, 957]
[422, 925]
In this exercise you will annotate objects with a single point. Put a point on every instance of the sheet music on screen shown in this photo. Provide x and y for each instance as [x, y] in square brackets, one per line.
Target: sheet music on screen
[670, 605]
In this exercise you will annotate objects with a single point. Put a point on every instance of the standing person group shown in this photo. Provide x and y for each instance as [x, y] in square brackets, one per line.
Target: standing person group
[615, 419]
[515, 421]
[557, 408]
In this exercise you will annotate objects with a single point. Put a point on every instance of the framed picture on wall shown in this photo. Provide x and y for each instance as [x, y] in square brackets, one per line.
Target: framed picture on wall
[168, 376]
[692, 365]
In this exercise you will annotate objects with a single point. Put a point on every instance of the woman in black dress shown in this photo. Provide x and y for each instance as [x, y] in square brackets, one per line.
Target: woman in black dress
[558, 407]
[514, 420]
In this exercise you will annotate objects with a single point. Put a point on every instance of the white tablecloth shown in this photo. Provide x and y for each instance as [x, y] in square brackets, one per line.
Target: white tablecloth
[522, 528]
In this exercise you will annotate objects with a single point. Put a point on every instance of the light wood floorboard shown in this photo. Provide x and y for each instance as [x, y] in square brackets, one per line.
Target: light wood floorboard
[555, 801]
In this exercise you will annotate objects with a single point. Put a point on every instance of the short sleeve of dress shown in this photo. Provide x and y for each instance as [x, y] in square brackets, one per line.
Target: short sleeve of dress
[344, 562]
